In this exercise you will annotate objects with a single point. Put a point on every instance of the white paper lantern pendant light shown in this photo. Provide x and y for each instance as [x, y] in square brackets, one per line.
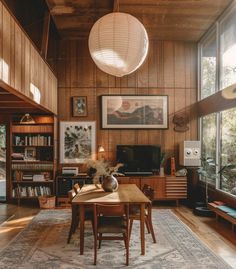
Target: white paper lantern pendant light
[118, 44]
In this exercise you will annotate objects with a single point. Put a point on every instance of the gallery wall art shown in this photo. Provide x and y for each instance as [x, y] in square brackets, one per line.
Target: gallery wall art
[134, 112]
[77, 141]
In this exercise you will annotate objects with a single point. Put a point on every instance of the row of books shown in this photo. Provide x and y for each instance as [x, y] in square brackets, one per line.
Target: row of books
[27, 177]
[32, 166]
[19, 175]
[31, 191]
[35, 140]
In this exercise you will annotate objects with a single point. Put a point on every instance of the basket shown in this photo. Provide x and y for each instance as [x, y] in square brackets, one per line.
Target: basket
[47, 202]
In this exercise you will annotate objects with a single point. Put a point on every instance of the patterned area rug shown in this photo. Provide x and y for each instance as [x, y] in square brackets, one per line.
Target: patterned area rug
[42, 245]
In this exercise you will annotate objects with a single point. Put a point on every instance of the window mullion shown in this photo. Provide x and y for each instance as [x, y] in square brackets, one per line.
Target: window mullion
[218, 158]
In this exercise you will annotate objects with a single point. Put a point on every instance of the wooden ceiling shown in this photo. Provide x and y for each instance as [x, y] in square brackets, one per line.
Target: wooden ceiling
[163, 19]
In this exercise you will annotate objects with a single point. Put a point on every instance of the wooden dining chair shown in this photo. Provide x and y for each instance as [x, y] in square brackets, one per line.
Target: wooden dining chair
[134, 213]
[75, 214]
[76, 188]
[113, 221]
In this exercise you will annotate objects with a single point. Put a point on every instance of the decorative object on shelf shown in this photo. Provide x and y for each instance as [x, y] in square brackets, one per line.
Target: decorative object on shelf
[172, 166]
[181, 120]
[102, 172]
[181, 172]
[134, 112]
[27, 119]
[30, 154]
[118, 43]
[17, 156]
[162, 171]
[79, 104]
[162, 163]
[77, 141]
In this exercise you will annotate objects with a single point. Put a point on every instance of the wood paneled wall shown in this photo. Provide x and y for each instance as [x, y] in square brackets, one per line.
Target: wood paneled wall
[170, 69]
[21, 65]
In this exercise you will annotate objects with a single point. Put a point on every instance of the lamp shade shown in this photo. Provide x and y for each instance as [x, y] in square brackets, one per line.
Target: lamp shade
[27, 119]
[118, 44]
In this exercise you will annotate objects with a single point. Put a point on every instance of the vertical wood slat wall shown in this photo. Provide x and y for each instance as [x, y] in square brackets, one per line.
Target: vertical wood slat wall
[21, 64]
[170, 69]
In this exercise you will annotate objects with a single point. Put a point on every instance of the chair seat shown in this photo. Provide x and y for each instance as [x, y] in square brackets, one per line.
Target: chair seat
[134, 210]
[111, 225]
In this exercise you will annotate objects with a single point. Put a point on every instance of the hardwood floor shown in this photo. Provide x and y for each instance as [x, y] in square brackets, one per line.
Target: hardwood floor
[216, 235]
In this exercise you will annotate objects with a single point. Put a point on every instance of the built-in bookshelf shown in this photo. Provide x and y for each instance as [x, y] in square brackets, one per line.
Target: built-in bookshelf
[32, 159]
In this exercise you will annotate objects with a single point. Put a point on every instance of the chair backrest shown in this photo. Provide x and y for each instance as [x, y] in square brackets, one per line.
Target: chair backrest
[148, 191]
[76, 188]
[111, 210]
[71, 195]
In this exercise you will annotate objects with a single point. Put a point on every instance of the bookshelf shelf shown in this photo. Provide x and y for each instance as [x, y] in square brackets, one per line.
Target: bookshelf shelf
[23, 146]
[33, 182]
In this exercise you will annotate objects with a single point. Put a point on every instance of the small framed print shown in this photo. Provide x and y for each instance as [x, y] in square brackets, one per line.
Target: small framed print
[79, 105]
[30, 153]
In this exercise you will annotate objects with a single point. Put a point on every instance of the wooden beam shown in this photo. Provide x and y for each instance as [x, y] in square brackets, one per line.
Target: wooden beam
[15, 105]
[45, 37]
[28, 100]
[11, 101]
[224, 99]
[9, 98]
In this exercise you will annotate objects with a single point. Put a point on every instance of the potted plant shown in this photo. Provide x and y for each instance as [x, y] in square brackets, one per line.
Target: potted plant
[228, 173]
[208, 164]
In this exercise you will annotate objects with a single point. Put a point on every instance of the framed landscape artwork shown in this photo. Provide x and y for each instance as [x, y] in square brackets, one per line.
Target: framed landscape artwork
[79, 106]
[77, 141]
[134, 112]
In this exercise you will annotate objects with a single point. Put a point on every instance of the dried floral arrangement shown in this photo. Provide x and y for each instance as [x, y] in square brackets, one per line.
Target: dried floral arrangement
[102, 168]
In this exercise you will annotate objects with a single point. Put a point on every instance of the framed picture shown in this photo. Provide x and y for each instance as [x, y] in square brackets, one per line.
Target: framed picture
[79, 105]
[134, 112]
[77, 141]
[30, 153]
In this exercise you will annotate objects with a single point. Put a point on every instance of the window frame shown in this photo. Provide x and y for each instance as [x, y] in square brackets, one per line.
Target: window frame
[215, 29]
[209, 34]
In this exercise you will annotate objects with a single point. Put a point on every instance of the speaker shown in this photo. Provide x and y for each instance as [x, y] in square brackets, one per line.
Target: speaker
[190, 153]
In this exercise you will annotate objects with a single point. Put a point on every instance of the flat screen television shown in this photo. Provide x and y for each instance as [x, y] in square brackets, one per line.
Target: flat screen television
[138, 159]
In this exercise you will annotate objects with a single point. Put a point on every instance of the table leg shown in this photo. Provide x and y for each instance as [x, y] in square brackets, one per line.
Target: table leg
[142, 223]
[81, 226]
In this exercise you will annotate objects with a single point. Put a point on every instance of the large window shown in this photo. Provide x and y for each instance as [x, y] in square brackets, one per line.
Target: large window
[209, 144]
[228, 50]
[217, 70]
[208, 66]
[228, 150]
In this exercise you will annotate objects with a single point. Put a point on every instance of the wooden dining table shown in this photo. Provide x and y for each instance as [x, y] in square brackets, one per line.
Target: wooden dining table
[126, 193]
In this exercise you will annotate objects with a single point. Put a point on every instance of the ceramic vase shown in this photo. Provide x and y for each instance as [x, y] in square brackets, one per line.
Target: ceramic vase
[110, 183]
[162, 172]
